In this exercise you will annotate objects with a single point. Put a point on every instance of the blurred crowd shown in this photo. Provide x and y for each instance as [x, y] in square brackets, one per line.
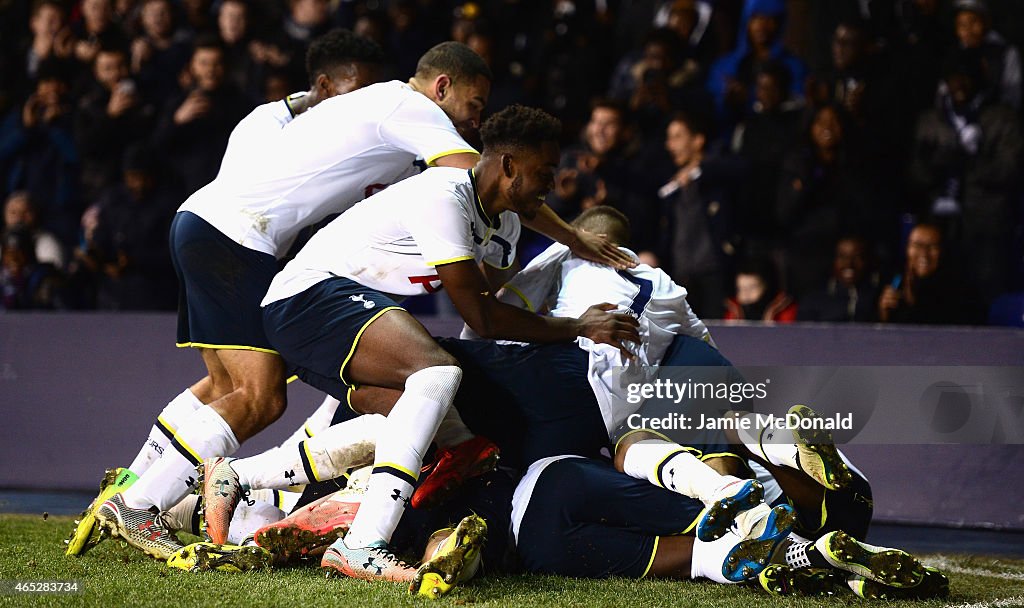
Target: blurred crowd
[849, 160]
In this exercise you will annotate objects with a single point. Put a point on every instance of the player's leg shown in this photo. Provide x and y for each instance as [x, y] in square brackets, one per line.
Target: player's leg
[625, 522]
[395, 351]
[223, 285]
[650, 456]
[820, 510]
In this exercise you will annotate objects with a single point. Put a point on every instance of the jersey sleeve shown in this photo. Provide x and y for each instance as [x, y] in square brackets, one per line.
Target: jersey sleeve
[420, 127]
[440, 226]
[533, 286]
[669, 310]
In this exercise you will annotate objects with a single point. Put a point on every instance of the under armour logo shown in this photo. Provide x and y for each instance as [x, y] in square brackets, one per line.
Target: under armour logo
[398, 496]
[369, 564]
[154, 534]
[220, 487]
[190, 482]
[360, 298]
[290, 476]
[672, 478]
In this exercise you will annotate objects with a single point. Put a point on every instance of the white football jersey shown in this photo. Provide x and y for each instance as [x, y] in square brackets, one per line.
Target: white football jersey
[323, 162]
[563, 285]
[255, 133]
[393, 241]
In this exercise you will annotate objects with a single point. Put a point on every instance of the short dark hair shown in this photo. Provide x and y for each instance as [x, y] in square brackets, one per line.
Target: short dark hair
[39, 4]
[519, 127]
[456, 60]
[695, 122]
[610, 104]
[337, 47]
[603, 219]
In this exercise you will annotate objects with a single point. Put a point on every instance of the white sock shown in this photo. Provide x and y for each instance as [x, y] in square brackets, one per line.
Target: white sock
[401, 444]
[317, 421]
[167, 423]
[326, 455]
[281, 499]
[766, 442]
[452, 431]
[249, 517]
[202, 435]
[708, 558]
[670, 466]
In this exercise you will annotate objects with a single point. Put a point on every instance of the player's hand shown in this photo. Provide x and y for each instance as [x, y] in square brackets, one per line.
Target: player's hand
[611, 328]
[597, 248]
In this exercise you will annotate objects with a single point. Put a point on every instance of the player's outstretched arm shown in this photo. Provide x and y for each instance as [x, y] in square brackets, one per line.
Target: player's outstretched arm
[495, 320]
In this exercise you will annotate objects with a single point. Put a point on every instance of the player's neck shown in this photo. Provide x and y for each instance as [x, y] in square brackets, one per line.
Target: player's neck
[487, 173]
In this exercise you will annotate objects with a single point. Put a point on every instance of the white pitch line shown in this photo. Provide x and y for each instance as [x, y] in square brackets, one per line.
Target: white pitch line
[1008, 602]
[946, 565]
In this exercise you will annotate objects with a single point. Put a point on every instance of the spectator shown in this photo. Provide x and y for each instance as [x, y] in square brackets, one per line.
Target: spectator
[96, 29]
[927, 291]
[860, 80]
[24, 283]
[698, 204]
[194, 128]
[110, 116]
[763, 139]
[306, 19]
[1001, 60]
[664, 77]
[50, 36]
[37, 149]
[130, 240]
[608, 168]
[731, 78]
[966, 159]
[758, 297]
[851, 293]
[243, 71]
[160, 53]
[824, 191]
[20, 212]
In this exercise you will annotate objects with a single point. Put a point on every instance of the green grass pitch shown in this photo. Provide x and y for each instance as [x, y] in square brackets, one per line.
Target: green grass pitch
[110, 575]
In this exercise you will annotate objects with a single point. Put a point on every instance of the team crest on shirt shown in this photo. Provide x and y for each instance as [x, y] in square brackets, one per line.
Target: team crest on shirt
[367, 304]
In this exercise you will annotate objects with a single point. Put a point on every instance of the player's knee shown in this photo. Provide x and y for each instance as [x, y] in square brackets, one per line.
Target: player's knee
[265, 405]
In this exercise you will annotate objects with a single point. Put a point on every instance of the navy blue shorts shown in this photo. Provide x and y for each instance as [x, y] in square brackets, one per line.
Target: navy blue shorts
[532, 401]
[317, 331]
[585, 519]
[221, 285]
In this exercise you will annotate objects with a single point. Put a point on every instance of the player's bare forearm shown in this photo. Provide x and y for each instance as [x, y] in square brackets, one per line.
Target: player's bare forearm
[495, 320]
[593, 247]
